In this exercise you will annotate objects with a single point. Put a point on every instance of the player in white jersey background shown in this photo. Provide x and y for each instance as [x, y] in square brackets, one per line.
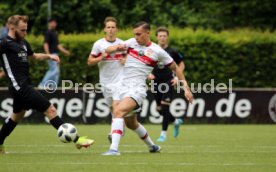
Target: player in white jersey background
[143, 55]
[110, 65]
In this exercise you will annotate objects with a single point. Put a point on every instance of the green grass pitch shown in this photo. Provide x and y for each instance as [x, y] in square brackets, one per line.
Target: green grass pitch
[221, 148]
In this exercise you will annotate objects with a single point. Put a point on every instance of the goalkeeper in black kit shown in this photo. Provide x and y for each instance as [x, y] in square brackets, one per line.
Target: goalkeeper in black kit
[164, 77]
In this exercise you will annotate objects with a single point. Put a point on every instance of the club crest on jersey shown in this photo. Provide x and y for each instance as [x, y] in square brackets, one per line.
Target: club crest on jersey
[25, 48]
[141, 53]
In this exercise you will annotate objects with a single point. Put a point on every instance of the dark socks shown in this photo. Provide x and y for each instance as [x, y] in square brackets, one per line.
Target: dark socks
[6, 129]
[167, 117]
[56, 122]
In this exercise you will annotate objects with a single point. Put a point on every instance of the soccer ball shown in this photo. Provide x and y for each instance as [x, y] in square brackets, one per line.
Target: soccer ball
[67, 133]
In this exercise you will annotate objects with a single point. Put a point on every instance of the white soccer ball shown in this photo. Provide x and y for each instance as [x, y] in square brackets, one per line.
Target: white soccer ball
[67, 133]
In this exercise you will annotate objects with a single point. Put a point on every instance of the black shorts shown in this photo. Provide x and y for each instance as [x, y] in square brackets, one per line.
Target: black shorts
[28, 98]
[164, 92]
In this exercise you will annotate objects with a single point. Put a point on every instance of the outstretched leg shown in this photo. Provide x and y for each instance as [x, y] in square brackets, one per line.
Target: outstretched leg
[56, 122]
[8, 126]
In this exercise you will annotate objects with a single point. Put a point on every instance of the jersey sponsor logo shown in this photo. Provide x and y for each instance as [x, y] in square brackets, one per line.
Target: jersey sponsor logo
[145, 59]
[23, 56]
[149, 52]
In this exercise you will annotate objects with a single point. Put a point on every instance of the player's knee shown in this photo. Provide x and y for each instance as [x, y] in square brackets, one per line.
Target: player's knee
[127, 124]
[51, 112]
[165, 103]
[18, 117]
[158, 108]
[133, 125]
[117, 112]
[165, 108]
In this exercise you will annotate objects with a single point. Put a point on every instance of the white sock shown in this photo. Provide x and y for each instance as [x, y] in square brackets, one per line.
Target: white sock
[117, 131]
[124, 130]
[163, 133]
[143, 134]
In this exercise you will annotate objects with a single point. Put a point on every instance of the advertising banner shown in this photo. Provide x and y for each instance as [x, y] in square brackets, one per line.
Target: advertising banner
[241, 106]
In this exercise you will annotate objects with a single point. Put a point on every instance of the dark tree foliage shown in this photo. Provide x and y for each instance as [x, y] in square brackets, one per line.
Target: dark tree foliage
[78, 16]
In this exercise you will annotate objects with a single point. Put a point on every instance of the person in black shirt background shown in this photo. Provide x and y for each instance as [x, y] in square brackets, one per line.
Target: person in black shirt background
[163, 75]
[14, 53]
[52, 46]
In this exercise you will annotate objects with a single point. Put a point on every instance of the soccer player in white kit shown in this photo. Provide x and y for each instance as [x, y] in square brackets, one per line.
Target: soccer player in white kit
[143, 55]
[110, 65]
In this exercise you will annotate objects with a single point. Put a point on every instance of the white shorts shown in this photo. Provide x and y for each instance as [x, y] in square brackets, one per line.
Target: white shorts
[110, 93]
[134, 89]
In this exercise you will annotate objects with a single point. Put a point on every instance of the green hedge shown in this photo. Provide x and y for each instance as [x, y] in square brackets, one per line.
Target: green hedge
[246, 56]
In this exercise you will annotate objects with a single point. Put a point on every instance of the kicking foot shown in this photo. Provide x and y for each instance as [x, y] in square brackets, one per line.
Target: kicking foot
[84, 142]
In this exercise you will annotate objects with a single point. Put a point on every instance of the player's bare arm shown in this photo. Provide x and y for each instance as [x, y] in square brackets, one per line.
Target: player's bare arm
[42, 56]
[2, 74]
[116, 48]
[123, 59]
[92, 60]
[181, 77]
[151, 76]
[181, 66]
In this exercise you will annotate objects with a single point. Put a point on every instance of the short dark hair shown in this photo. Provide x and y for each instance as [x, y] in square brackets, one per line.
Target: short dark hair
[144, 25]
[162, 29]
[51, 19]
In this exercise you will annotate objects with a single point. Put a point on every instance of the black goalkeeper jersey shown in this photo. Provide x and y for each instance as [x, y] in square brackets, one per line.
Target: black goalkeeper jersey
[163, 73]
[14, 57]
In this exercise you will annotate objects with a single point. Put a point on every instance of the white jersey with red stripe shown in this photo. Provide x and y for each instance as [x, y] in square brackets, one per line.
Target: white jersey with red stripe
[141, 59]
[110, 68]
[139, 63]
